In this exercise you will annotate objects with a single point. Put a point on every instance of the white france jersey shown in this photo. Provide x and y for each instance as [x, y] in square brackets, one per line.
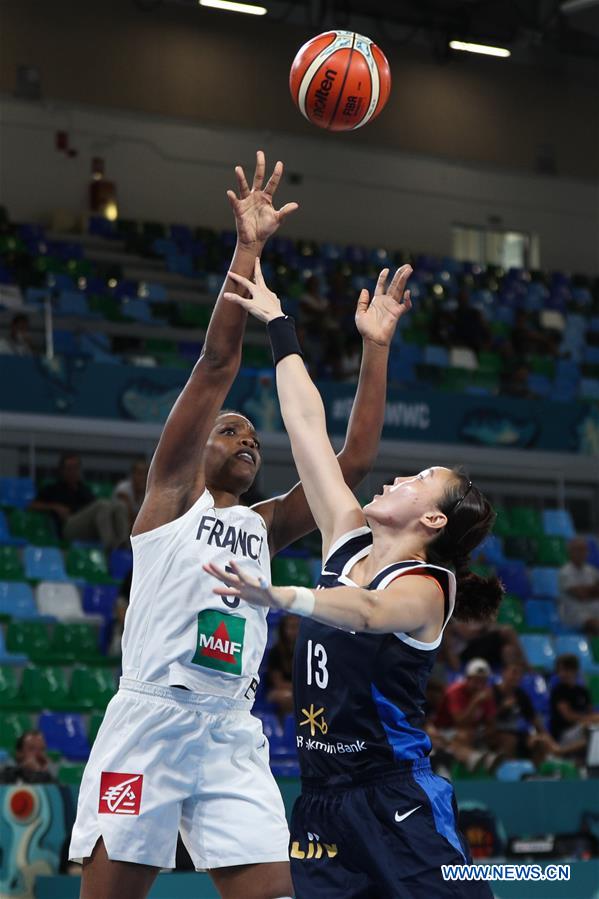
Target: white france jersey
[177, 630]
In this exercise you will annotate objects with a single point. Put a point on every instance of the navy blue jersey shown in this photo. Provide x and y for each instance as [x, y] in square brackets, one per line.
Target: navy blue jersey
[359, 698]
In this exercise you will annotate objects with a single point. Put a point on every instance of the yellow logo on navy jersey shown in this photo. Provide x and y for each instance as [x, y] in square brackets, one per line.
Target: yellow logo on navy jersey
[315, 849]
[313, 721]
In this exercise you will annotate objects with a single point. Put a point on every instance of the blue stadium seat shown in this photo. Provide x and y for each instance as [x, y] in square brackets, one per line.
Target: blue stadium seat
[545, 582]
[591, 355]
[151, 291]
[72, 302]
[541, 614]
[10, 658]
[120, 563]
[558, 523]
[65, 734]
[514, 575]
[16, 600]
[65, 343]
[593, 557]
[44, 563]
[285, 767]
[539, 650]
[491, 549]
[99, 599]
[515, 769]
[578, 645]
[436, 355]
[17, 492]
[281, 738]
[139, 310]
[6, 538]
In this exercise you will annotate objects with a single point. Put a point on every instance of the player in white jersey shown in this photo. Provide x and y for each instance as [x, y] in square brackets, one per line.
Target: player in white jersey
[178, 748]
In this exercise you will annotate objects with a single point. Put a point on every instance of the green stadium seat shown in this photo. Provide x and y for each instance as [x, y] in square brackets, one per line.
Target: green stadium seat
[511, 612]
[489, 363]
[551, 551]
[30, 637]
[74, 642]
[35, 527]
[257, 357]
[101, 489]
[87, 564]
[44, 688]
[525, 521]
[155, 346]
[11, 567]
[71, 775]
[482, 570]
[594, 641]
[193, 315]
[525, 548]
[501, 528]
[95, 720]
[12, 726]
[296, 572]
[594, 688]
[92, 688]
[9, 687]
[108, 307]
[564, 769]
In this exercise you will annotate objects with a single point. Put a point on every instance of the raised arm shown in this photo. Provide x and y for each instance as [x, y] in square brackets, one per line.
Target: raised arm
[176, 478]
[289, 517]
[333, 505]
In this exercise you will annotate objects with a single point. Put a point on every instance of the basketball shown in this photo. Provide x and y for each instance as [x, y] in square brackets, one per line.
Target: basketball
[340, 80]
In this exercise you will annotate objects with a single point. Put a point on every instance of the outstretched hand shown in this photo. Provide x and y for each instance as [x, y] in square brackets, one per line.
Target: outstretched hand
[262, 302]
[377, 319]
[256, 218]
[256, 592]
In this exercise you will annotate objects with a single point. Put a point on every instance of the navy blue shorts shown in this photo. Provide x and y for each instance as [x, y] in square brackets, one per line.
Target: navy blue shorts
[385, 839]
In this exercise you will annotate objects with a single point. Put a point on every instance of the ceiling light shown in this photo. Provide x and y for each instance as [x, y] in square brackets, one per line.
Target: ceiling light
[229, 6]
[479, 48]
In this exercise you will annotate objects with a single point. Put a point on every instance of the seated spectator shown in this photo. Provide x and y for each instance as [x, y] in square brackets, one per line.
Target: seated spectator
[521, 731]
[571, 709]
[579, 589]
[78, 515]
[465, 720]
[32, 762]
[280, 665]
[18, 342]
[497, 644]
[470, 329]
[132, 490]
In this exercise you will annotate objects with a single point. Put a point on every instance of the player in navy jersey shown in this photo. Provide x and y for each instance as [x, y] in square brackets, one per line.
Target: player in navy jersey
[373, 821]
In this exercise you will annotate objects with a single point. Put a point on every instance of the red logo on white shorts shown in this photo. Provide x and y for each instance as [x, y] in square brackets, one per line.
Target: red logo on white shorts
[120, 794]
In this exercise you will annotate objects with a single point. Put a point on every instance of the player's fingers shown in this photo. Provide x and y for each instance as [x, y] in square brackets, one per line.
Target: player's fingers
[220, 574]
[225, 591]
[259, 173]
[274, 180]
[381, 282]
[286, 210]
[363, 301]
[399, 280]
[407, 300]
[258, 273]
[244, 302]
[233, 199]
[243, 576]
[242, 182]
[239, 279]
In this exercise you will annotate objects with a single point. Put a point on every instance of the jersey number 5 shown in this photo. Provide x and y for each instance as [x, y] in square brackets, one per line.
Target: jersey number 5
[317, 665]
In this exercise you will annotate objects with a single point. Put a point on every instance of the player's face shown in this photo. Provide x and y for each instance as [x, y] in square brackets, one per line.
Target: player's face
[409, 499]
[232, 454]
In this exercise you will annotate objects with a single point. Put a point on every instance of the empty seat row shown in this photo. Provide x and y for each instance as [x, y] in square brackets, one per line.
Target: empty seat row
[60, 643]
[47, 687]
[47, 563]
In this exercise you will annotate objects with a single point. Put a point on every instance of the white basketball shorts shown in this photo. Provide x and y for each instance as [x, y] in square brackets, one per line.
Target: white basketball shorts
[166, 760]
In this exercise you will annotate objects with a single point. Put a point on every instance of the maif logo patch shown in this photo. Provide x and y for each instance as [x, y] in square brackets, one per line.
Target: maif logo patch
[220, 641]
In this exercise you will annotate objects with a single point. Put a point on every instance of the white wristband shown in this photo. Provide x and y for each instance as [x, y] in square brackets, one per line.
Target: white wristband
[303, 602]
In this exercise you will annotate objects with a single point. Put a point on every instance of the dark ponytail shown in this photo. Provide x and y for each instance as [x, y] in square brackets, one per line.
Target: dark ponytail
[470, 518]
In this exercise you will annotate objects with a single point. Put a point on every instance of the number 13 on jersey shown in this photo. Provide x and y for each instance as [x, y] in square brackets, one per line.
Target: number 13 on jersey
[316, 665]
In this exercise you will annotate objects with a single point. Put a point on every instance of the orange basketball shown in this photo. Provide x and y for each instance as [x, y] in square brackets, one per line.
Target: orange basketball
[340, 80]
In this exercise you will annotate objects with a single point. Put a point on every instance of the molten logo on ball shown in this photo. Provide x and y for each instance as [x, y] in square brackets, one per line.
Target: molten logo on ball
[340, 80]
[322, 94]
